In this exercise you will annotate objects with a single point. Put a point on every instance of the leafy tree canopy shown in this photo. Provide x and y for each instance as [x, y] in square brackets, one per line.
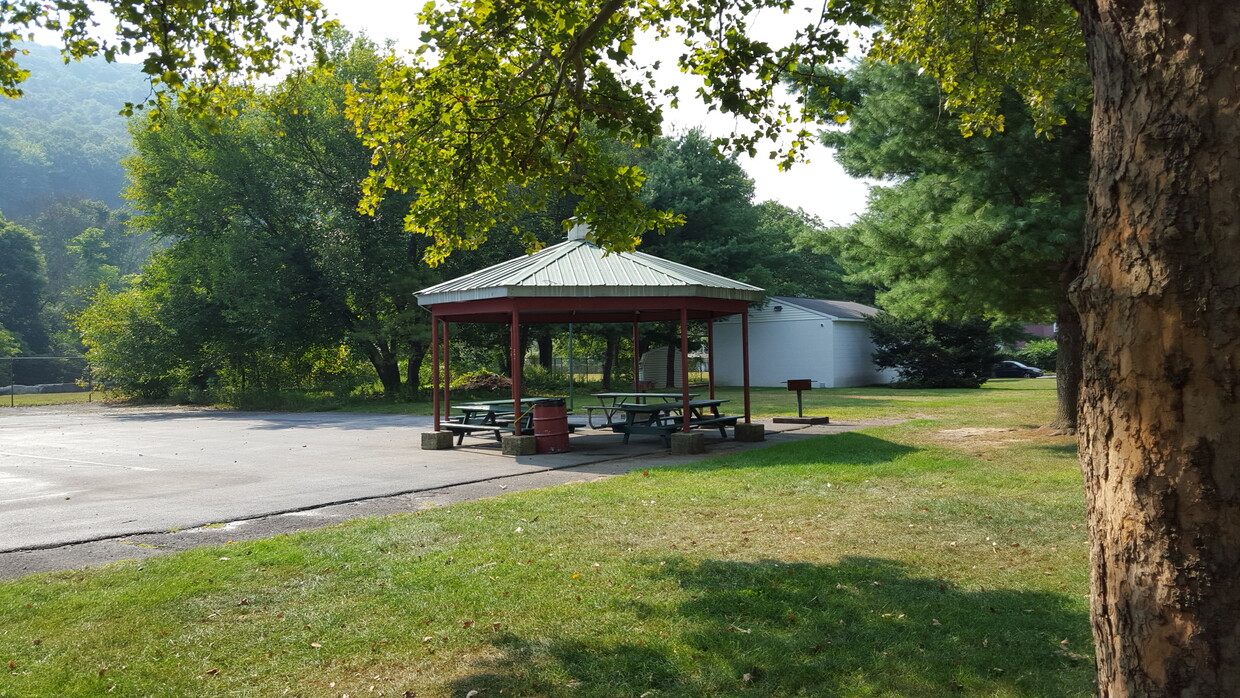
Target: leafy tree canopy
[189, 47]
[526, 95]
[501, 94]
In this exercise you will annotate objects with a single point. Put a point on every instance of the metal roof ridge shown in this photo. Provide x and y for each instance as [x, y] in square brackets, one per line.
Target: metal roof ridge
[792, 300]
[562, 248]
[487, 272]
[695, 271]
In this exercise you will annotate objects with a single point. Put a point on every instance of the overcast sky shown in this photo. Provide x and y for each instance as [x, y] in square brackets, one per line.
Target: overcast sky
[819, 186]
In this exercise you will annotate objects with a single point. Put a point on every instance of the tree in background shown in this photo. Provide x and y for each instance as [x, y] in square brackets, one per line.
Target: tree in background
[261, 219]
[723, 231]
[22, 284]
[87, 246]
[64, 137]
[968, 226]
[930, 353]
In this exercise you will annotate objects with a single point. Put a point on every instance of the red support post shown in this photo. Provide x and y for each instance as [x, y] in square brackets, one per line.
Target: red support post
[447, 369]
[435, 368]
[684, 365]
[745, 357]
[636, 357]
[710, 355]
[515, 360]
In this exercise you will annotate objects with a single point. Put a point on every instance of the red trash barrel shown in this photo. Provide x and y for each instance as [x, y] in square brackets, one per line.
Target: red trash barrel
[550, 426]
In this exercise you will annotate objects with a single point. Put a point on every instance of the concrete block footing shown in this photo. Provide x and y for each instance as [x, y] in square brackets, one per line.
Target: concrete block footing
[436, 440]
[750, 432]
[519, 445]
[685, 443]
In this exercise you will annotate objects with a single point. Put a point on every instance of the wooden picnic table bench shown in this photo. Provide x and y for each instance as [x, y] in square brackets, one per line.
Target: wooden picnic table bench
[462, 430]
[492, 417]
[609, 405]
[721, 422]
[660, 419]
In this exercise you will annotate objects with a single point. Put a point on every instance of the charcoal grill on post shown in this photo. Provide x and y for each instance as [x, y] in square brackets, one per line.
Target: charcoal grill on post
[801, 384]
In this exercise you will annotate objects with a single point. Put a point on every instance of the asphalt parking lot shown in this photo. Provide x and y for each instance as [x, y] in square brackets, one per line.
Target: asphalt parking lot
[70, 477]
[80, 475]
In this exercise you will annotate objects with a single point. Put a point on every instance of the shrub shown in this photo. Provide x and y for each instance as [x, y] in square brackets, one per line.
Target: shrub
[928, 353]
[1040, 352]
[480, 380]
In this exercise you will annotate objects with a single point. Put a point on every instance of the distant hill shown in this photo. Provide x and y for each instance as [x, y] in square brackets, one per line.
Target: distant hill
[65, 137]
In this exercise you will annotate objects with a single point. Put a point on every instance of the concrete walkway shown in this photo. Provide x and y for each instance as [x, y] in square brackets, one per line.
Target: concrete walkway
[87, 485]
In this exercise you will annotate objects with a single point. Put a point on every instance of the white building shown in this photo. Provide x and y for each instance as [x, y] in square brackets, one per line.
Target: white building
[800, 338]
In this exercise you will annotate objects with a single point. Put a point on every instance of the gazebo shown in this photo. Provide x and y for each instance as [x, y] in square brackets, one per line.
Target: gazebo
[576, 281]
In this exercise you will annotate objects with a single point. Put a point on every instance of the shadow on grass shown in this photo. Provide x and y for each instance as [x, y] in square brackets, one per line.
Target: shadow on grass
[832, 450]
[1065, 449]
[860, 627]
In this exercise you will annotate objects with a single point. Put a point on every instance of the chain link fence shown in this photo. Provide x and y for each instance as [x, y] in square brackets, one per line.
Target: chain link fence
[28, 380]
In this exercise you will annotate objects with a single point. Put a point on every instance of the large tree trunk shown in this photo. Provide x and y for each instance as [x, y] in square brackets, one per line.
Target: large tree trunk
[413, 372]
[545, 352]
[1160, 309]
[610, 356]
[386, 366]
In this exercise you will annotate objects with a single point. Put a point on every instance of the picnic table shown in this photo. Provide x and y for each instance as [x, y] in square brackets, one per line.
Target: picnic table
[490, 417]
[609, 404]
[664, 418]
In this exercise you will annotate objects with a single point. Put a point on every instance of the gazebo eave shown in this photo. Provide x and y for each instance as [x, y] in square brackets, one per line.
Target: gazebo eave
[580, 293]
[604, 309]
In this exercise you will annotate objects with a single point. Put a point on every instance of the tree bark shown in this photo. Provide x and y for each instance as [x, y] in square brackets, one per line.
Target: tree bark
[545, 354]
[417, 354]
[1159, 299]
[670, 367]
[610, 357]
[386, 366]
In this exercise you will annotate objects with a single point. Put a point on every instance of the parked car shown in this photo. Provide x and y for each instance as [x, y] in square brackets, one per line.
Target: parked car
[1015, 369]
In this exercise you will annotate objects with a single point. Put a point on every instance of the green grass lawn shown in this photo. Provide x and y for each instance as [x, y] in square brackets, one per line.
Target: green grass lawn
[943, 556]
[7, 400]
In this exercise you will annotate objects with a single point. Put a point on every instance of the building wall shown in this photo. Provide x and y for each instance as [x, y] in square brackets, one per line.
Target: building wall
[787, 344]
[854, 364]
[653, 367]
[794, 343]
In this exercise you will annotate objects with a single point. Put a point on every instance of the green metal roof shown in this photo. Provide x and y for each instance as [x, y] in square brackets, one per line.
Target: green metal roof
[580, 269]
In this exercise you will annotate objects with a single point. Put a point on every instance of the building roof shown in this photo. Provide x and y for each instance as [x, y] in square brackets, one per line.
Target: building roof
[579, 269]
[839, 310]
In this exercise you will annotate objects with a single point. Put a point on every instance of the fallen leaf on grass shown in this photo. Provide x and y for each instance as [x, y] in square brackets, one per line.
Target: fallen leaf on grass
[212, 672]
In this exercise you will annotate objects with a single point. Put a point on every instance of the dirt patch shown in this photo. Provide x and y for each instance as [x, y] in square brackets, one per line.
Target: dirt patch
[971, 432]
